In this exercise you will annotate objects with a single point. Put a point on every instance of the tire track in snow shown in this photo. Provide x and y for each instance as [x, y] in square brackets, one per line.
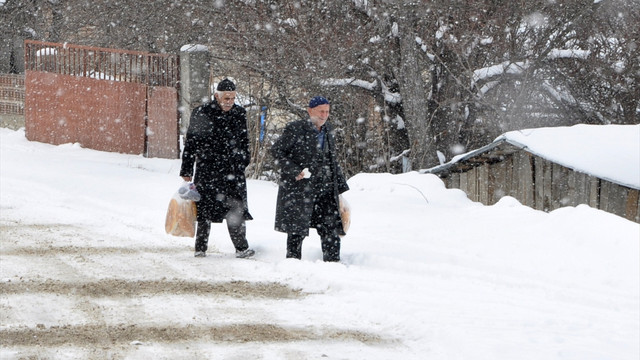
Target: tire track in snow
[98, 335]
[128, 288]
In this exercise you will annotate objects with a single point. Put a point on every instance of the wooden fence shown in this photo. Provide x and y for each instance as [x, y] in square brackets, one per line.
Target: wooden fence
[506, 170]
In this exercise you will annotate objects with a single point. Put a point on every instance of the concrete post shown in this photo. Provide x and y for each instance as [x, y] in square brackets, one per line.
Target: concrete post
[18, 56]
[194, 81]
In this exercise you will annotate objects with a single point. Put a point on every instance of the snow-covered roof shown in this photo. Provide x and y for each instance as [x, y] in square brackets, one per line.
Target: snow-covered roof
[609, 152]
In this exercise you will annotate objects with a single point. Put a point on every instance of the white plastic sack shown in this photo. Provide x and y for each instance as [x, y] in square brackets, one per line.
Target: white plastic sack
[188, 191]
[345, 213]
[181, 217]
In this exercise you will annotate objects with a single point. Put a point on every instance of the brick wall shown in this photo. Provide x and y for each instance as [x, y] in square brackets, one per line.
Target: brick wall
[11, 94]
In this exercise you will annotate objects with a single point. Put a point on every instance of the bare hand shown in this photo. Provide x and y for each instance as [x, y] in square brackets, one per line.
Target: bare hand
[186, 178]
[305, 174]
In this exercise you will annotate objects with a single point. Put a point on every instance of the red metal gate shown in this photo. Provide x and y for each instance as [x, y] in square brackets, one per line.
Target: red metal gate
[104, 99]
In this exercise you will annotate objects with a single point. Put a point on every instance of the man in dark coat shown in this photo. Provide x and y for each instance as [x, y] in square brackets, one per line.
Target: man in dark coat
[217, 143]
[310, 182]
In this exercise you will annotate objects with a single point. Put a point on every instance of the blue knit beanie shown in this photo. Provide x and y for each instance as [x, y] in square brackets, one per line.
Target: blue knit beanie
[318, 100]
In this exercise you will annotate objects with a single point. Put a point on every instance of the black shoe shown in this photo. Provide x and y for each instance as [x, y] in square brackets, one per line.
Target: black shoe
[200, 254]
[244, 253]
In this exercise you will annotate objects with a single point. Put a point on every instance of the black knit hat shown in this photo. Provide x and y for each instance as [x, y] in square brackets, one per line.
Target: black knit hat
[226, 85]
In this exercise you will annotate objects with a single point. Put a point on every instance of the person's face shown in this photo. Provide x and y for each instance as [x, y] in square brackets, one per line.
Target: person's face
[226, 99]
[319, 115]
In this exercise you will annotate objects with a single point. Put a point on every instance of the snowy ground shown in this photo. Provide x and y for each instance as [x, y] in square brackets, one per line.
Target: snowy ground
[87, 272]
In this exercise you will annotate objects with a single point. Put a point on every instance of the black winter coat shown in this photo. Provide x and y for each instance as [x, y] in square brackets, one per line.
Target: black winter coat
[295, 150]
[218, 144]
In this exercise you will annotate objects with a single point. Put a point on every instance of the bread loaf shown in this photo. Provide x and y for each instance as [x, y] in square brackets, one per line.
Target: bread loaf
[345, 213]
[181, 218]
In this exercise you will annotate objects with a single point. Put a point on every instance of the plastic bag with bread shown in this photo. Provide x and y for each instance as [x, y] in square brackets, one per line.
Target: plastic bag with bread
[345, 213]
[181, 217]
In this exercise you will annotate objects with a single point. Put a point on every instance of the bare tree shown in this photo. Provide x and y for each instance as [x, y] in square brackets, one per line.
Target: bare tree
[408, 78]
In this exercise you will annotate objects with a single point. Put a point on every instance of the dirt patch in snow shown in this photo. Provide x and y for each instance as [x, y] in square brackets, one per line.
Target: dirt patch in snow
[125, 288]
[99, 335]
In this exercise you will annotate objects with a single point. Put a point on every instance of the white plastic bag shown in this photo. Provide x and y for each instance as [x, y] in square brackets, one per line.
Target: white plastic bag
[345, 213]
[188, 191]
[181, 217]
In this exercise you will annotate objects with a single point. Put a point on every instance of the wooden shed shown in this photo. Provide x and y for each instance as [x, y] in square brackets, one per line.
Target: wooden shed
[512, 166]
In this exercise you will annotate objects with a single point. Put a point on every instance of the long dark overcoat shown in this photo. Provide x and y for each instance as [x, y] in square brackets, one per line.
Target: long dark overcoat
[295, 150]
[217, 143]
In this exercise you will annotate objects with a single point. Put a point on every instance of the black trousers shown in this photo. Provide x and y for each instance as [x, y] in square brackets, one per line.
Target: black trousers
[326, 227]
[235, 224]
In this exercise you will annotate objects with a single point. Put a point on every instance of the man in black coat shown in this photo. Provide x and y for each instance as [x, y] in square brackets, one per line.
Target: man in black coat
[310, 182]
[217, 143]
